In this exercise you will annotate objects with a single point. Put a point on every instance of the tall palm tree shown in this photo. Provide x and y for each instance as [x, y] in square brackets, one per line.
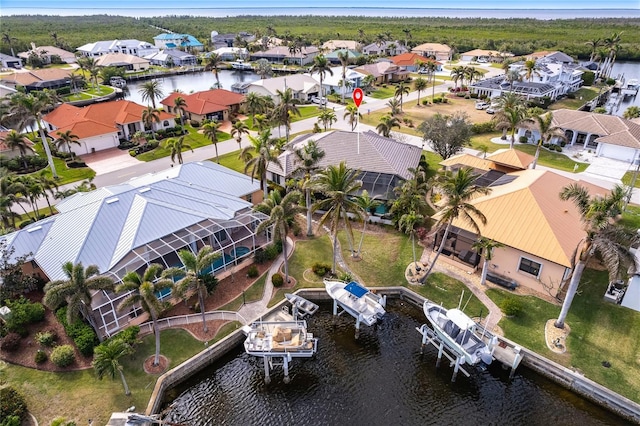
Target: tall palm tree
[485, 246]
[258, 155]
[547, 130]
[321, 66]
[386, 125]
[10, 190]
[146, 290]
[286, 109]
[106, 360]
[457, 74]
[343, 57]
[6, 38]
[177, 146]
[210, 131]
[254, 104]
[306, 160]
[213, 62]
[327, 117]
[15, 140]
[401, 89]
[353, 114]
[180, 106]
[511, 112]
[594, 44]
[408, 223]
[530, 69]
[458, 189]
[150, 115]
[75, 291]
[29, 108]
[420, 84]
[631, 112]
[194, 278]
[65, 139]
[282, 211]
[602, 237]
[150, 91]
[239, 128]
[368, 204]
[612, 43]
[48, 185]
[338, 184]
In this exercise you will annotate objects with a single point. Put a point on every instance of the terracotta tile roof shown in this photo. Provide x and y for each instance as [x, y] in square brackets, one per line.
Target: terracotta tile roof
[118, 59]
[206, 102]
[97, 119]
[612, 129]
[408, 59]
[512, 158]
[527, 214]
[34, 76]
[432, 47]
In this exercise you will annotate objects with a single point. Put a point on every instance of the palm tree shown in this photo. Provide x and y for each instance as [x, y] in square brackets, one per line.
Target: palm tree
[282, 212]
[458, 190]
[213, 62]
[180, 106]
[15, 140]
[327, 117]
[150, 115]
[76, 81]
[394, 105]
[28, 108]
[306, 160]
[353, 112]
[408, 222]
[420, 84]
[511, 113]
[343, 57]
[547, 131]
[177, 146]
[368, 204]
[386, 125]
[338, 184]
[47, 184]
[210, 131]
[254, 104]
[612, 43]
[10, 190]
[6, 38]
[594, 45]
[485, 246]
[321, 66]
[258, 155]
[146, 290]
[194, 275]
[530, 69]
[150, 91]
[239, 128]
[632, 112]
[457, 74]
[66, 139]
[106, 360]
[401, 90]
[285, 110]
[75, 291]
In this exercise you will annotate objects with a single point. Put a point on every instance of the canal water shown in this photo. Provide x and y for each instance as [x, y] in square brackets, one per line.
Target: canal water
[379, 379]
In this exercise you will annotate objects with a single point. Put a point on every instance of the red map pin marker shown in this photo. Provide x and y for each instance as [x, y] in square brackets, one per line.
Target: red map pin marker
[357, 96]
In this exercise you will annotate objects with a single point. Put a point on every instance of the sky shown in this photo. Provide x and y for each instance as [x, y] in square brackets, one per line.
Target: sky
[456, 4]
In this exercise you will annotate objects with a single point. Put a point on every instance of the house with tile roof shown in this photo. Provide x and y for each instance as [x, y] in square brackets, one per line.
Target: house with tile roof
[410, 61]
[303, 86]
[332, 83]
[7, 152]
[353, 55]
[483, 55]
[101, 125]
[214, 104]
[608, 136]
[383, 72]
[130, 47]
[386, 48]
[282, 55]
[174, 41]
[383, 162]
[331, 45]
[129, 63]
[149, 219]
[540, 232]
[38, 79]
[437, 51]
[47, 52]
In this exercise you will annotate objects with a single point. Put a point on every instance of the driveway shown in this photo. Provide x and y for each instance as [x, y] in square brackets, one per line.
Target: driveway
[109, 160]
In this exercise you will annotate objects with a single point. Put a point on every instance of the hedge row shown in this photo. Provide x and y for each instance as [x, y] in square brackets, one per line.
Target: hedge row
[82, 334]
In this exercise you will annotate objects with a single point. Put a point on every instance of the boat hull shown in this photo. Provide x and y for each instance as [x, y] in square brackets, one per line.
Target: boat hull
[359, 302]
[279, 338]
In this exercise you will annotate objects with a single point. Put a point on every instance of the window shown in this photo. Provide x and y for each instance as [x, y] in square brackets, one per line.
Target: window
[221, 235]
[250, 198]
[165, 123]
[529, 266]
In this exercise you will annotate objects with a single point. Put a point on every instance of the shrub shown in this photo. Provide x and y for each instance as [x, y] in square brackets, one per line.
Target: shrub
[153, 144]
[10, 342]
[195, 124]
[23, 312]
[425, 102]
[76, 164]
[486, 127]
[132, 153]
[563, 144]
[511, 307]
[321, 269]
[277, 280]
[82, 334]
[46, 338]
[252, 272]
[40, 357]
[63, 356]
[474, 96]
[523, 139]
[345, 276]
[571, 95]
[12, 403]
[127, 144]
[129, 335]
[558, 148]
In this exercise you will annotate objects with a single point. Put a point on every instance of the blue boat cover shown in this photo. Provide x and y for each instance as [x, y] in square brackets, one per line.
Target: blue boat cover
[356, 289]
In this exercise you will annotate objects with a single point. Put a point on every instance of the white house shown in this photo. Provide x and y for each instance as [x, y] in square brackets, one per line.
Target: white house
[173, 41]
[130, 47]
[129, 63]
[303, 86]
[333, 83]
[172, 57]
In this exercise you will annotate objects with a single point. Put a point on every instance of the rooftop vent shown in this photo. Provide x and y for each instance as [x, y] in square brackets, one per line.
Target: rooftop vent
[143, 190]
[112, 200]
[34, 229]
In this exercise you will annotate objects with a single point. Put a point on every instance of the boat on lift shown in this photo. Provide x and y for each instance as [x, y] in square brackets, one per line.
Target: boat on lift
[241, 65]
[362, 304]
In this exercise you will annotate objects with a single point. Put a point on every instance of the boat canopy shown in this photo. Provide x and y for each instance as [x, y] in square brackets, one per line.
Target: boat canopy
[460, 319]
[356, 289]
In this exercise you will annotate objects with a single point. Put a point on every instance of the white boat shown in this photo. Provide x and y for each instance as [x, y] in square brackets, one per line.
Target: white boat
[359, 302]
[301, 306]
[279, 339]
[631, 88]
[241, 66]
[459, 333]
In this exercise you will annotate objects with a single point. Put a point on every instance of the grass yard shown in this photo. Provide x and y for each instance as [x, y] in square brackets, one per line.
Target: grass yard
[306, 111]
[600, 331]
[582, 96]
[631, 217]
[65, 174]
[382, 92]
[628, 178]
[252, 294]
[193, 139]
[231, 161]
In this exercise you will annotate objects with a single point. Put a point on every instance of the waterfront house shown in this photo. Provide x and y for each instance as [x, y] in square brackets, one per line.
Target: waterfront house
[482, 55]
[49, 54]
[331, 45]
[101, 125]
[303, 87]
[230, 53]
[385, 48]
[130, 47]
[214, 104]
[176, 41]
[38, 79]
[410, 62]
[437, 51]
[284, 55]
[129, 63]
[383, 162]
[383, 72]
[334, 84]
[230, 39]
[352, 56]
[127, 227]
[172, 58]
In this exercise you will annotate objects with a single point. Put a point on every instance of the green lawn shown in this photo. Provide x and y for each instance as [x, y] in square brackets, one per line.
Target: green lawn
[600, 331]
[252, 294]
[381, 92]
[628, 178]
[582, 96]
[65, 174]
[101, 90]
[232, 161]
[306, 111]
[631, 217]
[80, 96]
[193, 138]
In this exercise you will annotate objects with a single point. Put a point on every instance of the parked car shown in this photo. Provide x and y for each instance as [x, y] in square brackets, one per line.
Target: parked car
[319, 101]
[491, 110]
[482, 105]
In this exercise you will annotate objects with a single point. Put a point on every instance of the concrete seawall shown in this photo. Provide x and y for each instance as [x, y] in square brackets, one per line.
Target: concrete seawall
[563, 376]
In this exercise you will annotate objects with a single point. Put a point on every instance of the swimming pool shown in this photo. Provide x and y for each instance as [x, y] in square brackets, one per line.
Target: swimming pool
[218, 264]
[240, 251]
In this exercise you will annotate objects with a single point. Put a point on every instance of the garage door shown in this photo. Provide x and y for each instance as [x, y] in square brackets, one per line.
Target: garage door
[617, 152]
[99, 143]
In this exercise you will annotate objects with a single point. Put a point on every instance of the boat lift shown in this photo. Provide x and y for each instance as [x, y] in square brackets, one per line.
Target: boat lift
[429, 337]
